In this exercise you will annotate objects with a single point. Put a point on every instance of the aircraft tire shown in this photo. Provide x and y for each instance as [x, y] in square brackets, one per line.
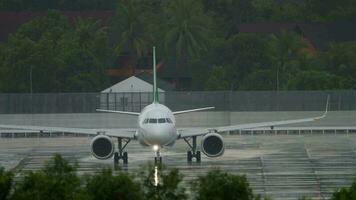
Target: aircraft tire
[189, 156]
[125, 158]
[116, 158]
[198, 156]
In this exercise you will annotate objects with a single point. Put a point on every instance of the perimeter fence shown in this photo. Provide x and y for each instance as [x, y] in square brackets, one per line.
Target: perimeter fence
[222, 100]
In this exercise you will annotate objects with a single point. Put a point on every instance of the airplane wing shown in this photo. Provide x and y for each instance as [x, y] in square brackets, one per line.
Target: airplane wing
[192, 110]
[183, 133]
[119, 112]
[121, 133]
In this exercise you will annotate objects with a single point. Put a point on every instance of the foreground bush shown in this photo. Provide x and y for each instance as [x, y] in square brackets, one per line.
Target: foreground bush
[345, 193]
[106, 186]
[58, 180]
[159, 183]
[5, 183]
[222, 185]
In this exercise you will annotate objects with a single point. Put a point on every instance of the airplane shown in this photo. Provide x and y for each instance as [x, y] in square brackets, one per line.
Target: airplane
[156, 127]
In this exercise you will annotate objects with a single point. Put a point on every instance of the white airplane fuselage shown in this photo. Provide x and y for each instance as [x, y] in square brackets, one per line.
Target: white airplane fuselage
[156, 126]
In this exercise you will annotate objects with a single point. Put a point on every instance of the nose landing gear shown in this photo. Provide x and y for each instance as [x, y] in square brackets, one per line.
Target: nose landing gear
[158, 158]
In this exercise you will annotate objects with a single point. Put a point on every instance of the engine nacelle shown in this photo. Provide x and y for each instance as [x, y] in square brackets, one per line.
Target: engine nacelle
[212, 145]
[102, 147]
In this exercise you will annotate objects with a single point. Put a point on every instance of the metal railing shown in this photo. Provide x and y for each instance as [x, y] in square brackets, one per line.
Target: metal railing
[222, 100]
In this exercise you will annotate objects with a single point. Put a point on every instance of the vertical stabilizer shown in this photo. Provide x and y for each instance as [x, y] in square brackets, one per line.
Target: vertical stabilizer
[155, 91]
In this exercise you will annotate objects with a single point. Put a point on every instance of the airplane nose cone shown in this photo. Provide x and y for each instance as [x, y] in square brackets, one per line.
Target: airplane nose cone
[161, 136]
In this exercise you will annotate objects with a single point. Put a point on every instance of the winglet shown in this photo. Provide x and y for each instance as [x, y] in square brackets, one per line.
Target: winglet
[327, 105]
[326, 108]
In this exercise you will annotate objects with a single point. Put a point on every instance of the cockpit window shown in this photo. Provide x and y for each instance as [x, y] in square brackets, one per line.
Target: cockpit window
[152, 121]
[161, 120]
[169, 120]
[146, 121]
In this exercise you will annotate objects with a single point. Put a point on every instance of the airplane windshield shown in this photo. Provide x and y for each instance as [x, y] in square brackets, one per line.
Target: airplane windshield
[152, 121]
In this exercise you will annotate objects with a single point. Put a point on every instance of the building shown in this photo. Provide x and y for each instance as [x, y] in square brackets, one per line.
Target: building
[133, 93]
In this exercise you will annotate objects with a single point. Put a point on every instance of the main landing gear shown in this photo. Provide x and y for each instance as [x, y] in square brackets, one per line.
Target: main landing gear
[121, 154]
[193, 153]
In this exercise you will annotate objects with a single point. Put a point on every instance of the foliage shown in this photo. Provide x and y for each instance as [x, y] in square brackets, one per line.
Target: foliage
[159, 183]
[222, 185]
[219, 79]
[239, 57]
[285, 47]
[314, 80]
[72, 59]
[186, 29]
[200, 36]
[128, 25]
[17, 5]
[5, 183]
[345, 193]
[106, 186]
[58, 180]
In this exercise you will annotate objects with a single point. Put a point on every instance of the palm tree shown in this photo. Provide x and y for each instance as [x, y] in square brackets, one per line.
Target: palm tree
[285, 46]
[129, 26]
[187, 29]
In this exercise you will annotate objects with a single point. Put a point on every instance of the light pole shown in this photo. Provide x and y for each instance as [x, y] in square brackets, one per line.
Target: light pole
[31, 80]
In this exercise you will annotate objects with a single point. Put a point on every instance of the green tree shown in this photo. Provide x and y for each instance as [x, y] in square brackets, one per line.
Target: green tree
[345, 193]
[106, 186]
[239, 56]
[227, 14]
[187, 30]
[128, 25]
[86, 56]
[219, 78]
[340, 60]
[260, 79]
[314, 80]
[6, 178]
[58, 181]
[159, 183]
[222, 185]
[285, 47]
[33, 51]
[73, 59]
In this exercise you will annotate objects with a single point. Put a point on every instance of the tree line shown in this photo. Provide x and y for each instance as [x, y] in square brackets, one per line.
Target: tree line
[200, 36]
[59, 180]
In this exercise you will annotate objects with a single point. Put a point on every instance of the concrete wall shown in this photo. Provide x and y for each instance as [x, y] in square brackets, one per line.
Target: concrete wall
[198, 119]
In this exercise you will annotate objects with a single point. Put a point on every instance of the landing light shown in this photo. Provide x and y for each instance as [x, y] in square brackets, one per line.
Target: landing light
[155, 147]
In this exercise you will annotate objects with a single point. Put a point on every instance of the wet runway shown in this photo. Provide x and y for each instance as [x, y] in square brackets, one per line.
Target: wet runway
[278, 166]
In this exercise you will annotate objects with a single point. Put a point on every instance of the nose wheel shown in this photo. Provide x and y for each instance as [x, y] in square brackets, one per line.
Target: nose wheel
[158, 158]
[193, 153]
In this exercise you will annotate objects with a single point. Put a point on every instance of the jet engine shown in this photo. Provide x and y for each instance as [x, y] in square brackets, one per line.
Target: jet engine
[212, 145]
[102, 147]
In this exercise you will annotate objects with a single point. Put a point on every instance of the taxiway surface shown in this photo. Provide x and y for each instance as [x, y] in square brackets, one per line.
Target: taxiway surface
[278, 166]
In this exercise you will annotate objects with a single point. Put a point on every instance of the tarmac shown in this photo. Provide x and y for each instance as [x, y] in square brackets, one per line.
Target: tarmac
[278, 166]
